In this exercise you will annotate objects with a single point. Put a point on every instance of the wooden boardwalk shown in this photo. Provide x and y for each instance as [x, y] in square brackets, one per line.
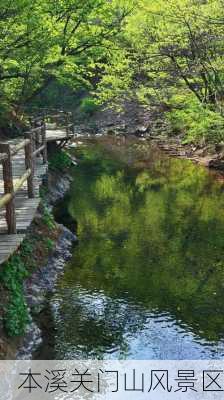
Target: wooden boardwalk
[25, 208]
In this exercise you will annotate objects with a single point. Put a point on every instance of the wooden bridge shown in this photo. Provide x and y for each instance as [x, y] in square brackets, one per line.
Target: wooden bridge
[23, 163]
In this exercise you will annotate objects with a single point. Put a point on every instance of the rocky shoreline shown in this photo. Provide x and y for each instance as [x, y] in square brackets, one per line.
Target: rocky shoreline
[210, 156]
[43, 254]
[42, 282]
[151, 124]
[38, 286]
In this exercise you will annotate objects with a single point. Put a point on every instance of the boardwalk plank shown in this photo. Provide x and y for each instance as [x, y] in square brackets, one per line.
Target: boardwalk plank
[11, 244]
[25, 208]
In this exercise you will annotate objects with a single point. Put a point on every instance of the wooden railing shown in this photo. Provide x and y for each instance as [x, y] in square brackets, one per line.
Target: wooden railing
[34, 145]
[61, 120]
[55, 117]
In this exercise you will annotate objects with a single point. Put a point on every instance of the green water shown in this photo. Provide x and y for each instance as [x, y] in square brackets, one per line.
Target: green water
[146, 280]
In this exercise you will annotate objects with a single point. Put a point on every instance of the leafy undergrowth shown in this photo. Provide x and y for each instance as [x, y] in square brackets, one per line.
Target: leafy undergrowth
[33, 254]
[59, 161]
[196, 123]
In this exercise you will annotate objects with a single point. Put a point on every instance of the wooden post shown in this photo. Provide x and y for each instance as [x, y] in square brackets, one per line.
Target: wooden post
[67, 123]
[73, 123]
[8, 189]
[44, 141]
[30, 164]
[37, 136]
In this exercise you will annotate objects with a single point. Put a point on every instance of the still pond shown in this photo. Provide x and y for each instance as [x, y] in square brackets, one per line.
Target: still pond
[146, 280]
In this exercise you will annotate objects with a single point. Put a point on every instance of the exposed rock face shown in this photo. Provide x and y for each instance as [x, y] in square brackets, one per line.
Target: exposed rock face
[151, 123]
[217, 163]
[58, 186]
[39, 285]
[134, 119]
[43, 280]
[210, 156]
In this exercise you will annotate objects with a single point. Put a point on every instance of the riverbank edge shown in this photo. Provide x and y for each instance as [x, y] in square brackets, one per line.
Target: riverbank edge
[51, 249]
[210, 156]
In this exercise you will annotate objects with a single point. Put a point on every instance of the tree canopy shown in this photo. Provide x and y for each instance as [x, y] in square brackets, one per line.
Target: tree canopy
[166, 52]
[65, 40]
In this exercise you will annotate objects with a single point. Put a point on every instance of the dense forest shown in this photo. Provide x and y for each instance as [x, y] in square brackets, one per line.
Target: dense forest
[162, 53]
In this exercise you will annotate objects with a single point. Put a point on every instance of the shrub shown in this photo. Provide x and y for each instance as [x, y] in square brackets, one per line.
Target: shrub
[196, 122]
[16, 315]
[88, 106]
[49, 244]
[48, 219]
[26, 248]
[60, 161]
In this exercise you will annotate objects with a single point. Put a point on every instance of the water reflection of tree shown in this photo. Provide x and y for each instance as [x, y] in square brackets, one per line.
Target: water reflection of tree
[153, 236]
[93, 329]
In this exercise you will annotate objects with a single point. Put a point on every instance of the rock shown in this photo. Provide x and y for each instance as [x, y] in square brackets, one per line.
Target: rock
[109, 124]
[121, 127]
[217, 163]
[41, 282]
[110, 132]
[219, 147]
[141, 130]
[44, 278]
[58, 187]
[199, 152]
